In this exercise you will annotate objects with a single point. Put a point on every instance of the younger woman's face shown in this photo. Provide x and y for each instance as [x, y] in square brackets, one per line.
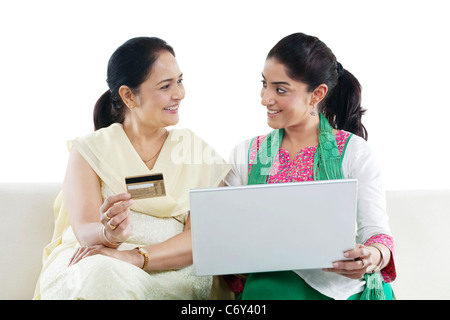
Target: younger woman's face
[160, 95]
[288, 101]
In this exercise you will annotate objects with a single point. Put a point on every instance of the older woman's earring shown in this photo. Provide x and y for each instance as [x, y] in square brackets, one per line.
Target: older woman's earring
[313, 112]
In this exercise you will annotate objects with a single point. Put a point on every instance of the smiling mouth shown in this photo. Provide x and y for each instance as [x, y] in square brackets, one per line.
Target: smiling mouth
[173, 108]
[273, 111]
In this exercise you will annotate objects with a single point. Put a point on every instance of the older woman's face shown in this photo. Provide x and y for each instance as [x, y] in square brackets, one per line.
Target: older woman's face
[160, 95]
[288, 101]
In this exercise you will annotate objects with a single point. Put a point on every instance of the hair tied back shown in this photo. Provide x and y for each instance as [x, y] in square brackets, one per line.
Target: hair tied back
[340, 69]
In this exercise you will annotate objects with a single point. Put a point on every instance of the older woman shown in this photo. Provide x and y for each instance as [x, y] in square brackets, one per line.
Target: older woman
[107, 245]
[314, 105]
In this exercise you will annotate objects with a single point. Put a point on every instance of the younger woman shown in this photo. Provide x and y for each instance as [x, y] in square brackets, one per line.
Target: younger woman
[314, 106]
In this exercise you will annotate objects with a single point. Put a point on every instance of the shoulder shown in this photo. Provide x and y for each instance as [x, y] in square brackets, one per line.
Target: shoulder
[176, 133]
[341, 136]
[194, 148]
[254, 145]
[181, 131]
[360, 157]
[184, 137]
[184, 134]
[357, 146]
[238, 160]
[241, 155]
[104, 133]
[248, 147]
[103, 136]
[240, 151]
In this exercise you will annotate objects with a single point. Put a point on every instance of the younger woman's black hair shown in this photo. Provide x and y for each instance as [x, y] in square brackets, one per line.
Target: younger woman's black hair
[309, 60]
[129, 65]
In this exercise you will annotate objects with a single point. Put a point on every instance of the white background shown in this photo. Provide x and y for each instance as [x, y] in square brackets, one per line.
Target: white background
[54, 55]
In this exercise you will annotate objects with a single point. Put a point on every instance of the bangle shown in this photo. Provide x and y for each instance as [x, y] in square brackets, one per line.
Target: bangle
[381, 263]
[104, 238]
[143, 252]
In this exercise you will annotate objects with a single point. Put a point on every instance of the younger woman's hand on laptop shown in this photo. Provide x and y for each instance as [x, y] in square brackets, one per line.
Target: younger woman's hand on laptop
[364, 259]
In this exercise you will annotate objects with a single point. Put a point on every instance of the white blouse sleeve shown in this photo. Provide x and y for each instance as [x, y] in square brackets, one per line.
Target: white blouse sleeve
[361, 163]
[238, 175]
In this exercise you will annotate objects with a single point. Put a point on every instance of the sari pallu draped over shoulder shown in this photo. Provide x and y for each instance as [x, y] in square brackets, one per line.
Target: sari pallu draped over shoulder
[185, 160]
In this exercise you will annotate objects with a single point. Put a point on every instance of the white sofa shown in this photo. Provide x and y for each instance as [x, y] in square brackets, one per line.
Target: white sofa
[420, 221]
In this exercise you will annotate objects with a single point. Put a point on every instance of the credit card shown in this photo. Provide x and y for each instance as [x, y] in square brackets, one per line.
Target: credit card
[148, 186]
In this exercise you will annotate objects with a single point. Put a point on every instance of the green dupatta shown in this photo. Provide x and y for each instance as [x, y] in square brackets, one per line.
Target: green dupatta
[327, 166]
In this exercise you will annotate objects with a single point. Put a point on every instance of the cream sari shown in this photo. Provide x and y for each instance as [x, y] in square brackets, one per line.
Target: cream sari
[186, 162]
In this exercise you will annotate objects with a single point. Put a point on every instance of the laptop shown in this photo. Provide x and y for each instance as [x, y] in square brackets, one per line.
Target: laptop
[272, 227]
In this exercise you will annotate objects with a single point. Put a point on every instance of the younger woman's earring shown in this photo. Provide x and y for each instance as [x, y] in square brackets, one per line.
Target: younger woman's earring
[313, 112]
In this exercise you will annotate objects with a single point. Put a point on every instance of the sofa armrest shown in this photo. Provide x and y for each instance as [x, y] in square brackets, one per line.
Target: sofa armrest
[27, 227]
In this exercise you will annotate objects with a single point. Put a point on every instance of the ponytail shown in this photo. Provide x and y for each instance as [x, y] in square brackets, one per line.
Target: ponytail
[107, 111]
[342, 106]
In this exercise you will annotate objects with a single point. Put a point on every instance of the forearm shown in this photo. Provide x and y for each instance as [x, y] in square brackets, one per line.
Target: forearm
[88, 234]
[93, 233]
[174, 253]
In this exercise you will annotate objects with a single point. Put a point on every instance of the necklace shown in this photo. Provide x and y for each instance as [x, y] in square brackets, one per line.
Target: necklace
[160, 148]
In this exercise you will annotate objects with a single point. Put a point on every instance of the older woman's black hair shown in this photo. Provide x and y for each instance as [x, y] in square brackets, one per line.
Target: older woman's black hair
[129, 65]
[310, 61]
